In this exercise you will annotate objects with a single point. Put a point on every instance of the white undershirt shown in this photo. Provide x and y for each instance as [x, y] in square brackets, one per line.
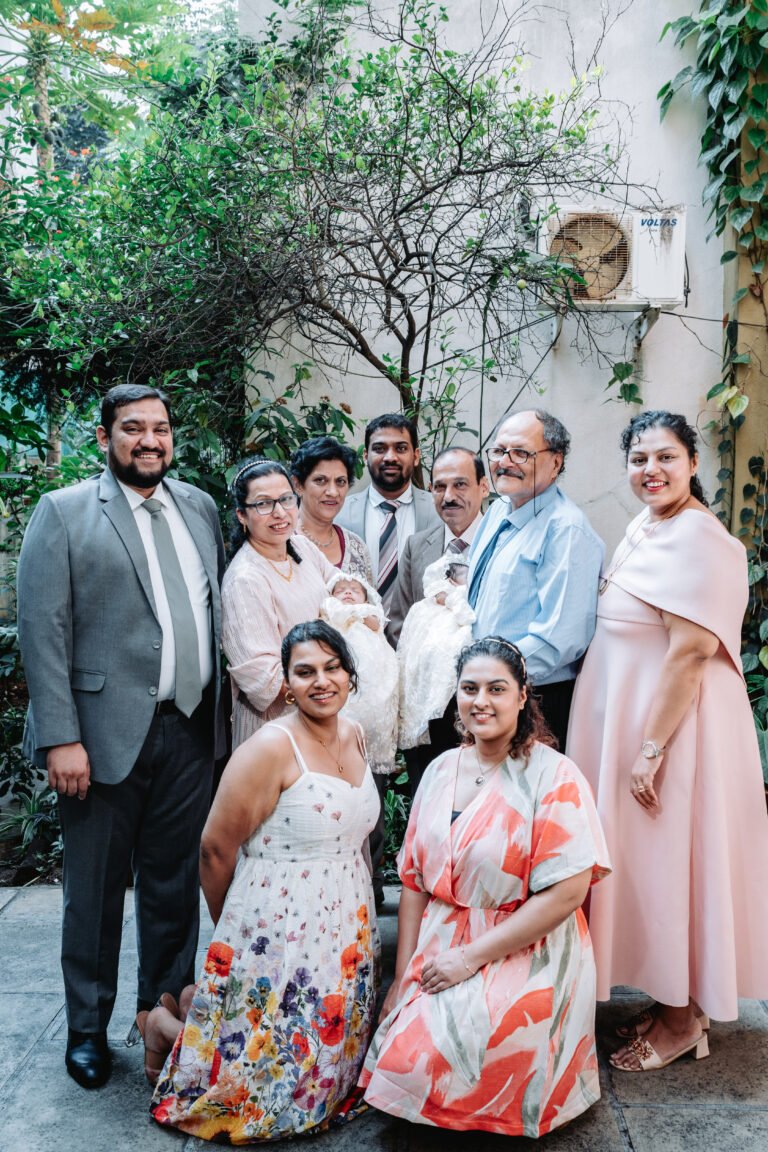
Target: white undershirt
[194, 578]
[405, 519]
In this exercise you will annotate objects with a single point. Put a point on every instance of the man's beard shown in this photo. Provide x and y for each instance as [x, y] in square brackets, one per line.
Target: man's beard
[131, 475]
[391, 483]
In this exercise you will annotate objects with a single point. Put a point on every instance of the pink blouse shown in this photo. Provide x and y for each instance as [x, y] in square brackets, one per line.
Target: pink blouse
[259, 608]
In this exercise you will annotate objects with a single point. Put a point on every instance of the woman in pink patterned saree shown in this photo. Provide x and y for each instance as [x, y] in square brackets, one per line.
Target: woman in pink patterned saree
[489, 1023]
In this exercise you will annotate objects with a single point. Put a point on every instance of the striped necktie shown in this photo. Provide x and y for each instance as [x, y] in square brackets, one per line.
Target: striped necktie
[457, 546]
[387, 577]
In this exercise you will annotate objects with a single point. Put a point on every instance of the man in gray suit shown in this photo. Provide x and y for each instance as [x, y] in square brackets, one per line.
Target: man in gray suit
[390, 509]
[119, 625]
[459, 487]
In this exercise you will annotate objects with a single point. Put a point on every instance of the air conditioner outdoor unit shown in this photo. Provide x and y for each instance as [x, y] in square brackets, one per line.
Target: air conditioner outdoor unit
[628, 261]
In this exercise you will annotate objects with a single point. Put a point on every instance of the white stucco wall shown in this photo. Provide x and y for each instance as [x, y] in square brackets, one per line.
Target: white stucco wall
[680, 357]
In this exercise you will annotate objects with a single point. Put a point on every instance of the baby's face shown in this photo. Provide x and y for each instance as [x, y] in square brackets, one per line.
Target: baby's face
[457, 574]
[349, 592]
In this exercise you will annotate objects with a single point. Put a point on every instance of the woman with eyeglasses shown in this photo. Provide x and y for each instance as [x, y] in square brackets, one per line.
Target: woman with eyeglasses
[276, 579]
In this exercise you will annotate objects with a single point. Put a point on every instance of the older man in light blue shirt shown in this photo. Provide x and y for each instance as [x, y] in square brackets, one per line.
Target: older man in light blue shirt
[535, 561]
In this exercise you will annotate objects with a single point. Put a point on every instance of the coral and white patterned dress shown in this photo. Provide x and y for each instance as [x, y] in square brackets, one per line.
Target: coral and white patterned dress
[511, 1049]
[284, 1006]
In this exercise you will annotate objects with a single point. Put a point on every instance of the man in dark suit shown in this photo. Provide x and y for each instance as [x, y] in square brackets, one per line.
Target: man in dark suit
[390, 509]
[459, 487]
[119, 625]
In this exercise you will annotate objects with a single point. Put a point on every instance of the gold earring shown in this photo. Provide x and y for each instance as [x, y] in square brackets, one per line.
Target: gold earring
[290, 698]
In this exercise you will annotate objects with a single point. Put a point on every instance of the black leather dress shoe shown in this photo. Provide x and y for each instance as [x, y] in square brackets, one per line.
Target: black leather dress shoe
[88, 1058]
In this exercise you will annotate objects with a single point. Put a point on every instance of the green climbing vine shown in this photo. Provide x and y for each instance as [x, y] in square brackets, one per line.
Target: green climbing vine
[731, 71]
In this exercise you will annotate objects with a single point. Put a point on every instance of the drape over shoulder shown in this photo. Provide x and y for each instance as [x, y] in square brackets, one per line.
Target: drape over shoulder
[711, 558]
[685, 913]
[510, 1050]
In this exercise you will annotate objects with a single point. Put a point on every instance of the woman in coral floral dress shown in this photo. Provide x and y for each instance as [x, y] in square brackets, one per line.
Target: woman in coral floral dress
[283, 1010]
[489, 1023]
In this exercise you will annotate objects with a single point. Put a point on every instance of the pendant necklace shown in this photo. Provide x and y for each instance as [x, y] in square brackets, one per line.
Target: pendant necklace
[335, 757]
[485, 772]
[644, 533]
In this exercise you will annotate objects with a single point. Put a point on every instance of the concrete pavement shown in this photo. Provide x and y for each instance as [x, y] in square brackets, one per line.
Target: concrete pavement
[717, 1105]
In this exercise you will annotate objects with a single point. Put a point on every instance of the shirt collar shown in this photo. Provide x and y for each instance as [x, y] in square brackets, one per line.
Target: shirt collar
[467, 535]
[377, 498]
[135, 499]
[519, 517]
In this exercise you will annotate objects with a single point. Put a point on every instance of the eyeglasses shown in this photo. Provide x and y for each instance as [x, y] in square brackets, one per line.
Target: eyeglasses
[516, 455]
[267, 507]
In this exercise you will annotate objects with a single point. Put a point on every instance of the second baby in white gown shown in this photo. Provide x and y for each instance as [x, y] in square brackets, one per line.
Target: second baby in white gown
[354, 608]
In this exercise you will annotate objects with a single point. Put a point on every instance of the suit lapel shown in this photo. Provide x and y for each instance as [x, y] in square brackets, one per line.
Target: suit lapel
[119, 512]
[432, 550]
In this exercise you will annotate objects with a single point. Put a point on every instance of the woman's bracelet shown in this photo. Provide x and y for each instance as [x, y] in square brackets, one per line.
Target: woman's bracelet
[472, 971]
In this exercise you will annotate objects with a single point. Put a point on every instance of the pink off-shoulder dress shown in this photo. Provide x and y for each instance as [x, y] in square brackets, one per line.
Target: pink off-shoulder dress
[685, 912]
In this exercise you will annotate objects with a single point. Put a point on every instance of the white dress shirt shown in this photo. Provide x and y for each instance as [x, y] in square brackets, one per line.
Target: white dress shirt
[194, 578]
[467, 536]
[405, 519]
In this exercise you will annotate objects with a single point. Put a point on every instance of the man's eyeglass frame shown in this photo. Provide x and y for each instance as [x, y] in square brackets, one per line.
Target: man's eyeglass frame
[521, 455]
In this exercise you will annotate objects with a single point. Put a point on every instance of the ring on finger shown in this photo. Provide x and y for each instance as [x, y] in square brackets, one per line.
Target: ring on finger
[641, 787]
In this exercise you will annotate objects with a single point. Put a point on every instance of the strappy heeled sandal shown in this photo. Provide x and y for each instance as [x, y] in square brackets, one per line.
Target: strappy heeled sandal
[637, 1026]
[153, 1060]
[649, 1059]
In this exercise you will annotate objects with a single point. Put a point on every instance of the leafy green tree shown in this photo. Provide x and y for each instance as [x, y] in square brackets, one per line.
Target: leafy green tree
[371, 205]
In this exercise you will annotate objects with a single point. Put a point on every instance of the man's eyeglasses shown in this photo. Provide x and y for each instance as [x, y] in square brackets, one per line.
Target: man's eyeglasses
[267, 507]
[516, 455]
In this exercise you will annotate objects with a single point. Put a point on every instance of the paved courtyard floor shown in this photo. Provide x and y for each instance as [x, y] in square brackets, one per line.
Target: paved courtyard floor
[717, 1105]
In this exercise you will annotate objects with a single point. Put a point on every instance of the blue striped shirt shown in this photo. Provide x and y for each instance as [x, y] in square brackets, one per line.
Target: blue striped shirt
[539, 589]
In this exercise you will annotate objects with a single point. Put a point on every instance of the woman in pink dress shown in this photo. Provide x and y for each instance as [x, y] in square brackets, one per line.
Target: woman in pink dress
[662, 728]
[276, 579]
[489, 1023]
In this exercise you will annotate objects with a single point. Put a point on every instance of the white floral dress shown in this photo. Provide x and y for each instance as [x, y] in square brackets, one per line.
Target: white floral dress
[284, 1006]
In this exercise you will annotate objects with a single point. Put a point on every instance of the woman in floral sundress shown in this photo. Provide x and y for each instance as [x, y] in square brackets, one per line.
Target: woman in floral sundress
[282, 1012]
[489, 1023]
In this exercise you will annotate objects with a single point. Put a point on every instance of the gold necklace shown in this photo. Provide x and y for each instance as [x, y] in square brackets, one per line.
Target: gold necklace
[484, 772]
[337, 757]
[314, 539]
[643, 534]
[274, 566]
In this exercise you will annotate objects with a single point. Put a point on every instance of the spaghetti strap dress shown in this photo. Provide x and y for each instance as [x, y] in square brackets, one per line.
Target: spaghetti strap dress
[284, 1005]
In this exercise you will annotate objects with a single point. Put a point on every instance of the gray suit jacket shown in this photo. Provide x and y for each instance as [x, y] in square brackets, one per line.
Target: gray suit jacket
[89, 636]
[421, 550]
[352, 515]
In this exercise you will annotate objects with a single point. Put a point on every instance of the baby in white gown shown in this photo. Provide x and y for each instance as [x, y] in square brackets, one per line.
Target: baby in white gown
[354, 608]
[435, 630]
